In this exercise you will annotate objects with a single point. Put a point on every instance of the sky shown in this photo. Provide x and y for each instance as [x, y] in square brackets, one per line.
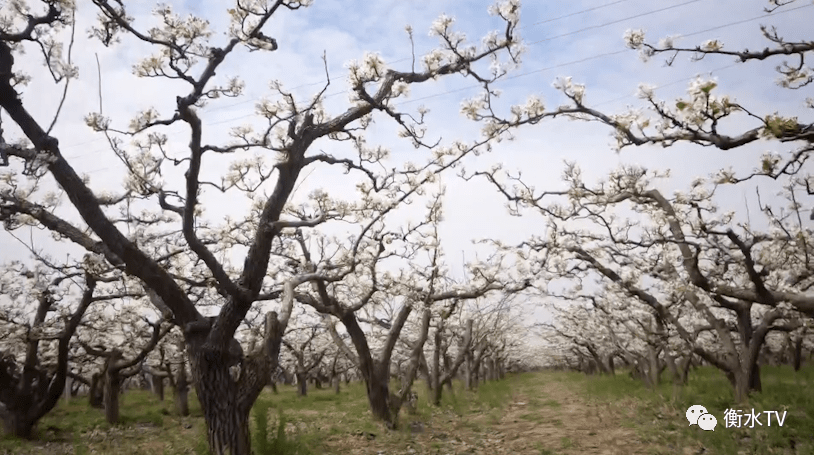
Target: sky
[581, 39]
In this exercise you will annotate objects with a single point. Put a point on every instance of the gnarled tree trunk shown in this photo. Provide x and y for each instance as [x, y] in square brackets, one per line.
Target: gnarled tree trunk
[27, 395]
[226, 397]
[112, 388]
[224, 407]
[375, 373]
[182, 390]
[302, 383]
[96, 393]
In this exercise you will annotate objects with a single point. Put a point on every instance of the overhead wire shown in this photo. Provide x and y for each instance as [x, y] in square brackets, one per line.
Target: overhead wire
[576, 13]
[527, 73]
[617, 21]
[323, 81]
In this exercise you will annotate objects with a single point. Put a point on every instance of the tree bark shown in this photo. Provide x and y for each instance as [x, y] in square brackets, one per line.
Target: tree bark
[437, 391]
[182, 391]
[797, 358]
[19, 424]
[226, 401]
[375, 374]
[67, 393]
[96, 393]
[227, 422]
[425, 370]
[653, 367]
[302, 384]
[158, 386]
[112, 390]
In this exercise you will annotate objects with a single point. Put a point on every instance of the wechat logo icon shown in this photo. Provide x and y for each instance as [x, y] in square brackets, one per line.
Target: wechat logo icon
[697, 414]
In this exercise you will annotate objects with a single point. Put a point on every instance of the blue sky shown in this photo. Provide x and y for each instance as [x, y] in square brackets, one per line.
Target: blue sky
[345, 30]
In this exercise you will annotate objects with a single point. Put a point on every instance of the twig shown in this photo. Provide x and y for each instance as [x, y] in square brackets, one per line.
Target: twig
[67, 78]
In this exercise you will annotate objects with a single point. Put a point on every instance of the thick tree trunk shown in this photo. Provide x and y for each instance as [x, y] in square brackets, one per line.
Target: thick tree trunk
[653, 367]
[112, 390]
[378, 393]
[685, 368]
[375, 374]
[182, 391]
[740, 383]
[17, 409]
[226, 401]
[158, 387]
[797, 358]
[336, 383]
[96, 393]
[67, 392]
[19, 424]
[754, 379]
[425, 370]
[302, 384]
[468, 371]
[437, 391]
[227, 424]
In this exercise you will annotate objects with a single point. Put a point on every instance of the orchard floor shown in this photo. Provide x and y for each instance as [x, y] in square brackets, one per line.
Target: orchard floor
[536, 413]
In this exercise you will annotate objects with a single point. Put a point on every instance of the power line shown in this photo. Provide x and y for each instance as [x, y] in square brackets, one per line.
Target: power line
[635, 16]
[678, 81]
[574, 14]
[743, 21]
[311, 84]
[540, 70]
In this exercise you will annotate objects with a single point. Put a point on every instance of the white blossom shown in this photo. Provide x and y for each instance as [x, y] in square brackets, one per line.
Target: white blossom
[645, 91]
[668, 42]
[441, 25]
[712, 45]
[634, 38]
[508, 10]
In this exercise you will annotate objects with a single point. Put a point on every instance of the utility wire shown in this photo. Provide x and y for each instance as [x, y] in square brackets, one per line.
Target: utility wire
[321, 82]
[595, 27]
[515, 76]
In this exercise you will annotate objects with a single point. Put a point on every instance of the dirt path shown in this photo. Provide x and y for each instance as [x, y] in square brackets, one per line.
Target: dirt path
[555, 418]
[545, 418]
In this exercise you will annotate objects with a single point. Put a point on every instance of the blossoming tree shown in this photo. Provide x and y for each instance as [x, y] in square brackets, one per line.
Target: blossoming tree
[186, 270]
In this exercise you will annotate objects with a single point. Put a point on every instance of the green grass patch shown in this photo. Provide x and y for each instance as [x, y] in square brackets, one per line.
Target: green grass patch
[660, 416]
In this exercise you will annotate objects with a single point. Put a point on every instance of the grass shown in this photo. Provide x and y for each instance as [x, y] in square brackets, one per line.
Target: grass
[661, 417]
[322, 422]
[537, 412]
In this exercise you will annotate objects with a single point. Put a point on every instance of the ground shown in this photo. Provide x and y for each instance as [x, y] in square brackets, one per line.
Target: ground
[541, 413]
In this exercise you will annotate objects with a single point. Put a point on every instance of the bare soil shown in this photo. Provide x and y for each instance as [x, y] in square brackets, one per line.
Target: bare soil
[545, 418]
